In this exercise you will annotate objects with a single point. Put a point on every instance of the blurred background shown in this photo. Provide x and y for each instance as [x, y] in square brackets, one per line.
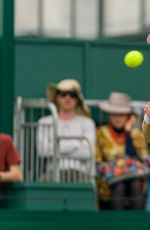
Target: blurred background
[43, 41]
[86, 19]
[82, 39]
[46, 41]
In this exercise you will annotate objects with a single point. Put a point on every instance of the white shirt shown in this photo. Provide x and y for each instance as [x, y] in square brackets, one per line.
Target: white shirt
[77, 151]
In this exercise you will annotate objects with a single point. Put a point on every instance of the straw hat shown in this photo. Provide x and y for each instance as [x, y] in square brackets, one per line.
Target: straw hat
[69, 85]
[117, 103]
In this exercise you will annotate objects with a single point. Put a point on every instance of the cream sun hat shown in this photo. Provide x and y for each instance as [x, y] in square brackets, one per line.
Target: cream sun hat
[68, 85]
[117, 103]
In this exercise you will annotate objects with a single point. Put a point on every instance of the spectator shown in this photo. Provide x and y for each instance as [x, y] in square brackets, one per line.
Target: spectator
[121, 147]
[73, 120]
[9, 160]
[146, 122]
[9, 167]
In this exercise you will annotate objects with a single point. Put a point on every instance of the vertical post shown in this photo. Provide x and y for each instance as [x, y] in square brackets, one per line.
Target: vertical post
[1, 17]
[40, 17]
[100, 18]
[86, 67]
[142, 15]
[73, 18]
[7, 66]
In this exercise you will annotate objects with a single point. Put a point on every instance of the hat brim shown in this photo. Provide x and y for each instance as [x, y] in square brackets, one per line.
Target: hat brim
[108, 108]
[51, 92]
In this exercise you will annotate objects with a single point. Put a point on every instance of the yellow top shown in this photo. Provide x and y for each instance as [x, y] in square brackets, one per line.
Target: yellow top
[108, 147]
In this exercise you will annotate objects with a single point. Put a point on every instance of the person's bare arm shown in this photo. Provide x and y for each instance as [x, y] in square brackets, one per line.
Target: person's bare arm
[131, 122]
[146, 123]
[14, 174]
[146, 131]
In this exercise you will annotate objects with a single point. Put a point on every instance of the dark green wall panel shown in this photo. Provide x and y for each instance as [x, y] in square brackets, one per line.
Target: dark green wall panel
[109, 73]
[98, 66]
[37, 65]
[48, 196]
[74, 220]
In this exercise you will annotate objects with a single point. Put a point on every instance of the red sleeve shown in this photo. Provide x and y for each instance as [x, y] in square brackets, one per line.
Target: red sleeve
[12, 156]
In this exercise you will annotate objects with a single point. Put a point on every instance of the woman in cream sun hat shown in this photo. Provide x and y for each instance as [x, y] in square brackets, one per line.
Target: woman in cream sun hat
[73, 121]
[118, 141]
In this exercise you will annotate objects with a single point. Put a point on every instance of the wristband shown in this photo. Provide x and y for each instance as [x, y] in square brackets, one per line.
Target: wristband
[147, 119]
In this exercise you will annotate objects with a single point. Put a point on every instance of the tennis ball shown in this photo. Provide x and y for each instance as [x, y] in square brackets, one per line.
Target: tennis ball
[133, 59]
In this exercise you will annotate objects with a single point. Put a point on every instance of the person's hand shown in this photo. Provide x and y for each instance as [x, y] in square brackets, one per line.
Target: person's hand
[130, 122]
[147, 109]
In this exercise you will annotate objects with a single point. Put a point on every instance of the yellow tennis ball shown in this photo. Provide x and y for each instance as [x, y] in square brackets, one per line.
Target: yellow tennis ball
[133, 59]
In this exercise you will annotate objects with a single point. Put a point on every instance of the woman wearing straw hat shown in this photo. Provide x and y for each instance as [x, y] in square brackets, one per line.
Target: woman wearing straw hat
[120, 151]
[73, 120]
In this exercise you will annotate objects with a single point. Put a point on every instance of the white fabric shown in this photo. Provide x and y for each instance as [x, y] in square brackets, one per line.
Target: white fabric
[147, 119]
[76, 153]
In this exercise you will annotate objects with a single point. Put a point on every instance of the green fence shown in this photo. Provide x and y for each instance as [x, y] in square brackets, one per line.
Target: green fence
[98, 66]
[48, 196]
[74, 220]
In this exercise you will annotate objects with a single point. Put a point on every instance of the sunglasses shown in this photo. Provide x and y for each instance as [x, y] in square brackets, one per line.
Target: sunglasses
[65, 93]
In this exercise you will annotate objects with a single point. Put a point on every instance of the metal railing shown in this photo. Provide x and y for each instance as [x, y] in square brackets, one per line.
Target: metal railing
[27, 114]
